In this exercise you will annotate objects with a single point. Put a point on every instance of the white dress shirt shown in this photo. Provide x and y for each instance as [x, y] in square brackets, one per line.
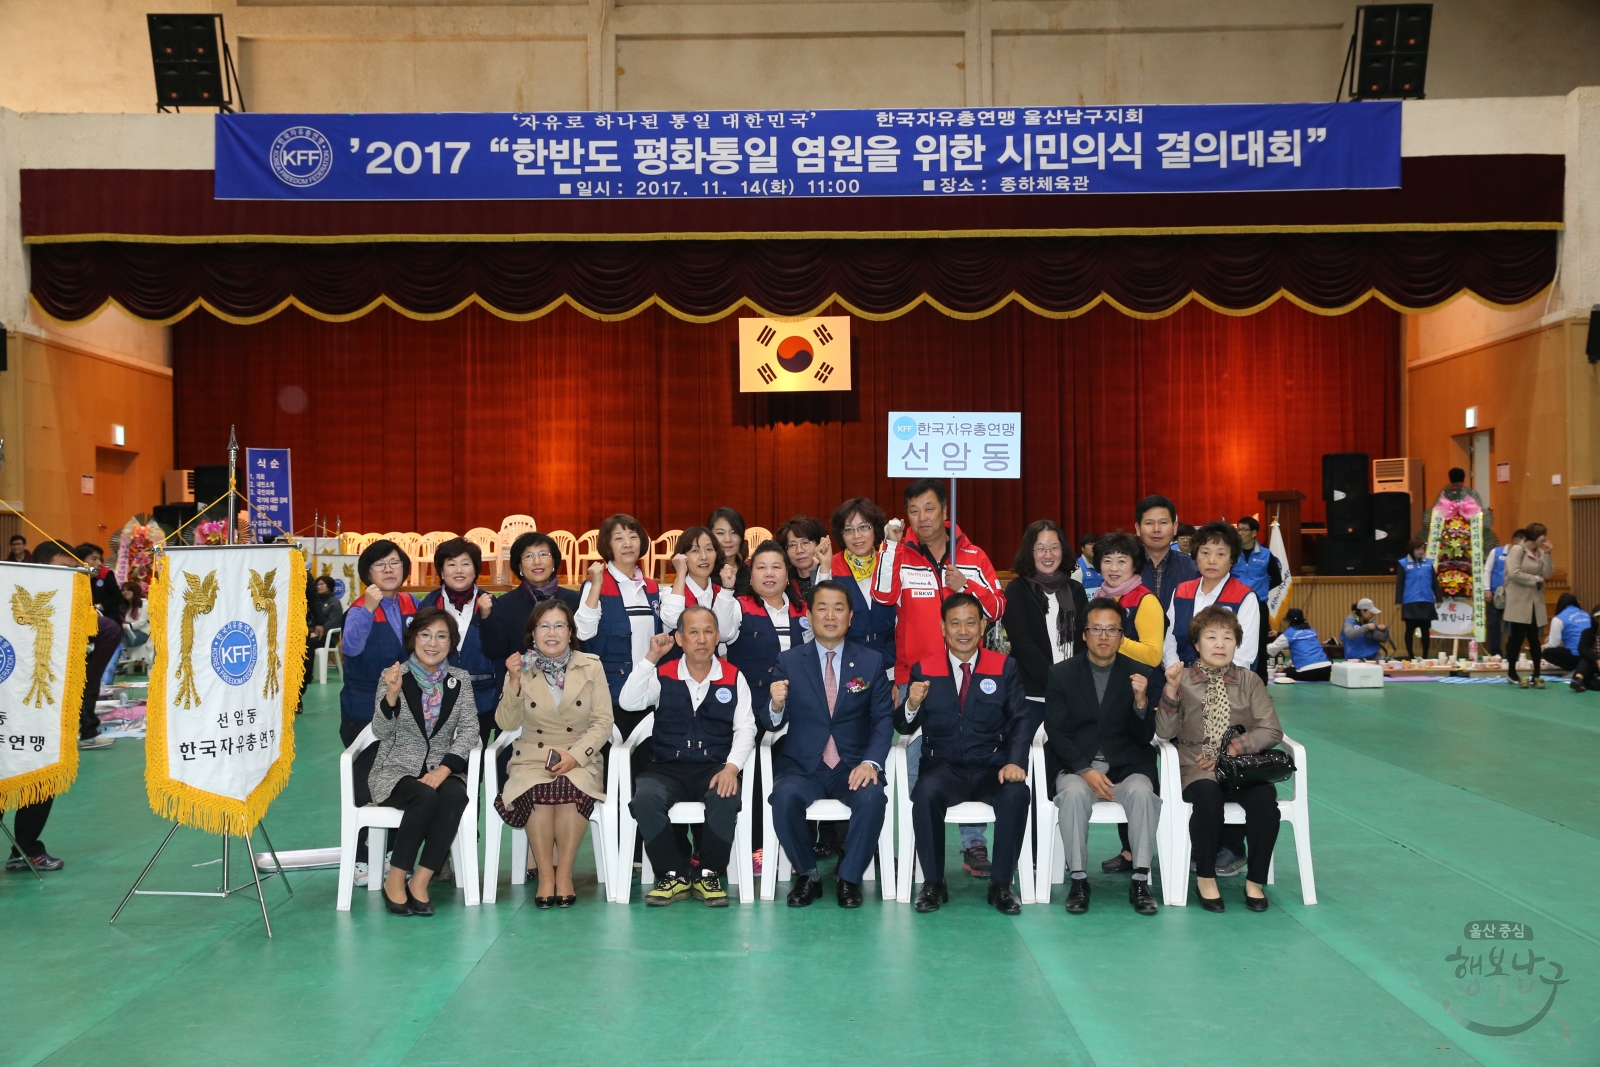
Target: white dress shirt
[780, 622]
[641, 623]
[723, 606]
[1249, 614]
[642, 691]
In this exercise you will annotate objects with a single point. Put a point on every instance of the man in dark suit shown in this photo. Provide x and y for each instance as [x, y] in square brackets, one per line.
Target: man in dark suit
[977, 727]
[835, 696]
[1098, 725]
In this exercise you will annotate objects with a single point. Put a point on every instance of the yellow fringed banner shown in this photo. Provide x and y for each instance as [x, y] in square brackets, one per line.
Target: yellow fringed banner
[229, 627]
[46, 620]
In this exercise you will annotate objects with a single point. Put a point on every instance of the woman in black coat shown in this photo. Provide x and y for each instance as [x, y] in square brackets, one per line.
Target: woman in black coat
[537, 561]
[1044, 606]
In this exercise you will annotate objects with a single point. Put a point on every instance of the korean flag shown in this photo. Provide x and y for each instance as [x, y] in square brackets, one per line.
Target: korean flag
[805, 356]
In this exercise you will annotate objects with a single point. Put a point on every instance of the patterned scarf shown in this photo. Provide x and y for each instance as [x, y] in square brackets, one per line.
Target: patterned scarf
[554, 669]
[861, 567]
[542, 592]
[1219, 713]
[1117, 592]
[432, 686]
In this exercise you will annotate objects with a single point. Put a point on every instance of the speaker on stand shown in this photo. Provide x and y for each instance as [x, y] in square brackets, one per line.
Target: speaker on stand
[1391, 529]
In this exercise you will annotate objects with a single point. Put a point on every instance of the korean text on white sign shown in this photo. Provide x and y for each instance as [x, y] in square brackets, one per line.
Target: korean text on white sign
[955, 444]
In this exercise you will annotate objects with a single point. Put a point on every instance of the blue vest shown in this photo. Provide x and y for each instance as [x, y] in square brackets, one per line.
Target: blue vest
[686, 734]
[1232, 595]
[1252, 570]
[1497, 568]
[1363, 647]
[361, 672]
[1305, 647]
[1419, 581]
[871, 623]
[612, 642]
[1574, 620]
[1091, 577]
[470, 657]
[755, 653]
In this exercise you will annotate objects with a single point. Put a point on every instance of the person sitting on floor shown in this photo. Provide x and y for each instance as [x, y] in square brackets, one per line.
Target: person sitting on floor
[423, 718]
[836, 697]
[1586, 675]
[1566, 631]
[977, 727]
[704, 732]
[560, 700]
[1201, 707]
[1363, 635]
[1308, 660]
[1098, 725]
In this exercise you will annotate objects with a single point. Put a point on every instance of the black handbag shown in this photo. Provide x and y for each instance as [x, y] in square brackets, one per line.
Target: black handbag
[1236, 772]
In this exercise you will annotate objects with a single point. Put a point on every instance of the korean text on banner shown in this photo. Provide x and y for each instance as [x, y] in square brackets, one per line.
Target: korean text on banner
[663, 155]
[229, 628]
[270, 492]
[46, 620]
[955, 444]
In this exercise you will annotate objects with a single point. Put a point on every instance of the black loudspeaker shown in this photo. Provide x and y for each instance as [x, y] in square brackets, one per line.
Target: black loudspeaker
[1392, 61]
[188, 57]
[1391, 525]
[211, 483]
[1591, 347]
[1344, 490]
[172, 516]
[1343, 555]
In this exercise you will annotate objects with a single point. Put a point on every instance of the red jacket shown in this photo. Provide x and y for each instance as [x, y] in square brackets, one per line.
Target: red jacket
[907, 580]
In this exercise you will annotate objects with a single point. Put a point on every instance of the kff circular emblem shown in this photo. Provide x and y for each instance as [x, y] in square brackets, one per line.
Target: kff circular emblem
[905, 428]
[301, 157]
[233, 653]
[8, 659]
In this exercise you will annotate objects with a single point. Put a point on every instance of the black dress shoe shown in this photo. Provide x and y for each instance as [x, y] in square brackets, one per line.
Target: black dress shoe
[419, 907]
[1256, 903]
[849, 894]
[1118, 864]
[1211, 903]
[806, 888]
[402, 908]
[567, 901]
[544, 903]
[1139, 896]
[1078, 896]
[931, 896]
[1004, 900]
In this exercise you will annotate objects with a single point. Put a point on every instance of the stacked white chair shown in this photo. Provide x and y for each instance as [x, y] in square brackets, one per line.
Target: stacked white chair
[329, 649]
[822, 811]
[602, 833]
[910, 869]
[742, 867]
[378, 820]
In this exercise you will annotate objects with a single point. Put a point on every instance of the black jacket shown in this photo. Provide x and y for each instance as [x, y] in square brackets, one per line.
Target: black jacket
[1029, 633]
[502, 630]
[1077, 724]
[995, 728]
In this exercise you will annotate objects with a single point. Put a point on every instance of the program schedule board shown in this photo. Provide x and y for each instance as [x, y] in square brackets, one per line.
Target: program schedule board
[714, 154]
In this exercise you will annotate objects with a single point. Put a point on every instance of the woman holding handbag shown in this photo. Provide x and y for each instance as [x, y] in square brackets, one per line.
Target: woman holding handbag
[1528, 567]
[1210, 709]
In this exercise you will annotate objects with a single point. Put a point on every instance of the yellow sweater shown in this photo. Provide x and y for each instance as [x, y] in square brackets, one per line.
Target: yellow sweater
[1150, 624]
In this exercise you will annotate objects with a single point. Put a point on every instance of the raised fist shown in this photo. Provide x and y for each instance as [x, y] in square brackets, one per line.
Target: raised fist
[372, 598]
[919, 693]
[824, 557]
[391, 682]
[597, 570]
[779, 694]
[514, 663]
[730, 575]
[1139, 684]
[660, 645]
[680, 564]
[1174, 673]
[485, 602]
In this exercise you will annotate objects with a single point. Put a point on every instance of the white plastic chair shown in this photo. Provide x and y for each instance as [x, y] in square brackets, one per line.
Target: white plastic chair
[659, 562]
[379, 820]
[742, 873]
[822, 811]
[1052, 856]
[754, 535]
[488, 542]
[567, 544]
[424, 570]
[328, 651]
[602, 833]
[1295, 812]
[910, 869]
[587, 551]
[511, 528]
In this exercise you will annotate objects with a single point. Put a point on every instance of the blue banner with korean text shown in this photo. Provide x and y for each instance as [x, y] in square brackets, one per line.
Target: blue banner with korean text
[270, 490]
[1177, 148]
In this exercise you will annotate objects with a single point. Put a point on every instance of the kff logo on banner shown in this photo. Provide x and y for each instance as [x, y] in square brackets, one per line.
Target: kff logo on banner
[804, 356]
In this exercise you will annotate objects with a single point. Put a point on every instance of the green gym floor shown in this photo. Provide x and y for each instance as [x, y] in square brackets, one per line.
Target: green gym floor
[1434, 806]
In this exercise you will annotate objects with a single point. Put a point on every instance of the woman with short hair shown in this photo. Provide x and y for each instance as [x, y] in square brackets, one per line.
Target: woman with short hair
[1416, 590]
[1120, 559]
[1209, 708]
[619, 608]
[1308, 660]
[858, 523]
[1044, 606]
[733, 567]
[1528, 567]
[374, 632]
[1216, 548]
[559, 699]
[536, 560]
[808, 551]
[457, 563]
[1566, 632]
[694, 563]
[427, 728]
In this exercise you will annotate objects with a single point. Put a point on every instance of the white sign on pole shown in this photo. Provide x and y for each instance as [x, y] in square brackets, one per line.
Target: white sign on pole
[955, 444]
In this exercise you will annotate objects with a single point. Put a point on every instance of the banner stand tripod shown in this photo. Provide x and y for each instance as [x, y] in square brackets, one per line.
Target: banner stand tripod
[224, 891]
[25, 857]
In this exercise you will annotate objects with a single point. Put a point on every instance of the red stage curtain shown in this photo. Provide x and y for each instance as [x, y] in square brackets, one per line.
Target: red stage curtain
[398, 424]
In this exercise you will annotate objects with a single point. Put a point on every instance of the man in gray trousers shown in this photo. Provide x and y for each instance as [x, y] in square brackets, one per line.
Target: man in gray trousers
[1098, 728]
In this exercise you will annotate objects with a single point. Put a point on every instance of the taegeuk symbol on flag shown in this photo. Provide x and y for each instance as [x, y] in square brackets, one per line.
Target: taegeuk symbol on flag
[804, 356]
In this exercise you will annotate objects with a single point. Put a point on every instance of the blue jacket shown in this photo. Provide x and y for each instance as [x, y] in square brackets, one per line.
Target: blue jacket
[1091, 577]
[1305, 648]
[613, 641]
[1414, 581]
[1362, 647]
[862, 724]
[471, 658]
[1497, 567]
[1574, 620]
[361, 672]
[1258, 569]
[994, 729]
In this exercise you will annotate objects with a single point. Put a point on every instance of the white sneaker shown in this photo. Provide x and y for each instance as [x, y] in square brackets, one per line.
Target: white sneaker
[361, 874]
